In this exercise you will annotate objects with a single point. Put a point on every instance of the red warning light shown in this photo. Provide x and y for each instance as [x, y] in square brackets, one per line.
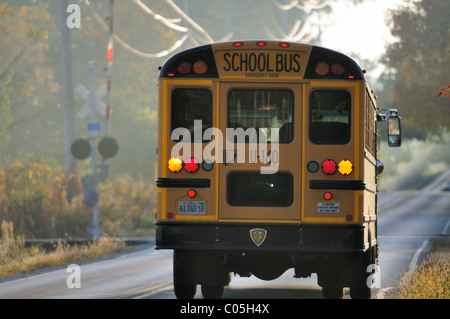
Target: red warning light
[322, 68]
[338, 69]
[184, 67]
[200, 67]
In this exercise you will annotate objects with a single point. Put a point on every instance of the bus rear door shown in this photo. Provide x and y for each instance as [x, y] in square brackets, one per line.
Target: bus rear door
[260, 173]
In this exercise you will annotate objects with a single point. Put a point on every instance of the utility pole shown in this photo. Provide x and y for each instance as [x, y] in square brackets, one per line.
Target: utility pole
[95, 228]
[67, 90]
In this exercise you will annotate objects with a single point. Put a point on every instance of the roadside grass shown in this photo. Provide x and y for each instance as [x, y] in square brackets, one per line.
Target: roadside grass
[15, 258]
[431, 279]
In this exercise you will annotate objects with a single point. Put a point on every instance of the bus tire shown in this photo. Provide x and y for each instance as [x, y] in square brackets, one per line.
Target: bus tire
[212, 292]
[360, 292]
[183, 291]
[330, 292]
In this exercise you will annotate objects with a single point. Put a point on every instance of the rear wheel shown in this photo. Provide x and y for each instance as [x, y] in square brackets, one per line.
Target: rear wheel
[332, 292]
[183, 291]
[360, 292]
[212, 292]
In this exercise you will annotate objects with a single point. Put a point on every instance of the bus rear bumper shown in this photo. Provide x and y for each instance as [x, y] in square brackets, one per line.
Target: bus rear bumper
[320, 238]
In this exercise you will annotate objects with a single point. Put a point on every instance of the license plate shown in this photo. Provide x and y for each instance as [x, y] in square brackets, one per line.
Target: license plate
[191, 208]
[328, 207]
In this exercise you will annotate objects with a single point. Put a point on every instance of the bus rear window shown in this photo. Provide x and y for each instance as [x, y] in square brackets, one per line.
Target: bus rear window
[189, 105]
[255, 189]
[263, 109]
[329, 117]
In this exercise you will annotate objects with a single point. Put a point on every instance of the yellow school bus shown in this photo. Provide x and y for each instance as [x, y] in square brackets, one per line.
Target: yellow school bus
[267, 160]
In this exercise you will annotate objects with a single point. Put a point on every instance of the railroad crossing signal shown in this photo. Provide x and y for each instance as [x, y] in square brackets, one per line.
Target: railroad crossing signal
[81, 149]
[108, 146]
[84, 94]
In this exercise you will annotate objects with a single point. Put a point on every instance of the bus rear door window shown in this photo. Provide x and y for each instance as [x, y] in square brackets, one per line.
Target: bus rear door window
[263, 109]
[189, 105]
[329, 117]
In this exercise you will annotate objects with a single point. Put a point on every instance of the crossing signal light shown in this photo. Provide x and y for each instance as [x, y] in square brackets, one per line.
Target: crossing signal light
[81, 149]
[108, 146]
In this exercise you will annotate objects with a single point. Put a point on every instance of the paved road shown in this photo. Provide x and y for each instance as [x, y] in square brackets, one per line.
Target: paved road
[407, 222]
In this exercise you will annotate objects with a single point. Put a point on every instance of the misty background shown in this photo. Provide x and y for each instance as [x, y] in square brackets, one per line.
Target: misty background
[410, 72]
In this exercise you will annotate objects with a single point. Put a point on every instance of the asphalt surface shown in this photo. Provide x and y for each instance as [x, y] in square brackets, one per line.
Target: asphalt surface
[407, 222]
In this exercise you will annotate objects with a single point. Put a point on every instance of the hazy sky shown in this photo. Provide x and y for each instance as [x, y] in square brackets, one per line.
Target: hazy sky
[361, 29]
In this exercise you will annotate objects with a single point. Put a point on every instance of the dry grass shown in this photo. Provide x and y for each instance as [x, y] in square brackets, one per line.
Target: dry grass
[430, 280]
[15, 259]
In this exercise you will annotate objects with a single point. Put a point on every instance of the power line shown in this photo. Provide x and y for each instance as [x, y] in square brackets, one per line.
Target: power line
[160, 18]
[133, 50]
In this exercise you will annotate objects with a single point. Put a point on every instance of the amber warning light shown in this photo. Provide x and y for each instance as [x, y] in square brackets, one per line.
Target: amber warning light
[175, 165]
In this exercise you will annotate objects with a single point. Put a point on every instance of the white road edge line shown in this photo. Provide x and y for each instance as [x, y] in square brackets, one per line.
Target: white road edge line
[416, 255]
[445, 230]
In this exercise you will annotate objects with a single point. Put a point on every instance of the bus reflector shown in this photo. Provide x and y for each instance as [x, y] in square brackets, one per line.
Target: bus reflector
[322, 68]
[329, 167]
[175, 165]
[191, 165]
[200, 67]
[345, 167]
[327, 196]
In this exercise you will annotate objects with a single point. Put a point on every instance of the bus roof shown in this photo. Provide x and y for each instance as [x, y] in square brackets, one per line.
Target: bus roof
[262, 60]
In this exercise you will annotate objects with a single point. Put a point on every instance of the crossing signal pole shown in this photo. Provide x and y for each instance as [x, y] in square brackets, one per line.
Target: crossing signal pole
[108, 146]
[83, 148]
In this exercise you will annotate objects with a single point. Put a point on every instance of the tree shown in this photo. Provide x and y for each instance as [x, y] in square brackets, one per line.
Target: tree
[420, 57]
[27, 84]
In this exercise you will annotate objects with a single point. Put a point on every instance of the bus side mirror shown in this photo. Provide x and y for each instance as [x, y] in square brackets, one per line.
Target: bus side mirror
[380, 167]
[394, 131]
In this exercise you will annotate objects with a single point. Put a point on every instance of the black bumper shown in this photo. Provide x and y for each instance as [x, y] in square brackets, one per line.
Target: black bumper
[320, 238]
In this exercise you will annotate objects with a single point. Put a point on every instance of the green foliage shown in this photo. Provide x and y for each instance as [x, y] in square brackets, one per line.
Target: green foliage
[33, 197]
[421, 58]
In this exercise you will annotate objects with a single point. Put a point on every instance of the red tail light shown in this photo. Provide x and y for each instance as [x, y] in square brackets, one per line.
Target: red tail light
[329, 167]
[191, 165]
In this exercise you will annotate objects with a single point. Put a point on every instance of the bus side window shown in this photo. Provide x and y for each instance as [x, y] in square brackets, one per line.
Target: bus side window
[329, 117]
[190, 104]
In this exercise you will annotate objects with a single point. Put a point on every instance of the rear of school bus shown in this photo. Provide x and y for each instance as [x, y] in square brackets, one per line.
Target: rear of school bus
[298, 190]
